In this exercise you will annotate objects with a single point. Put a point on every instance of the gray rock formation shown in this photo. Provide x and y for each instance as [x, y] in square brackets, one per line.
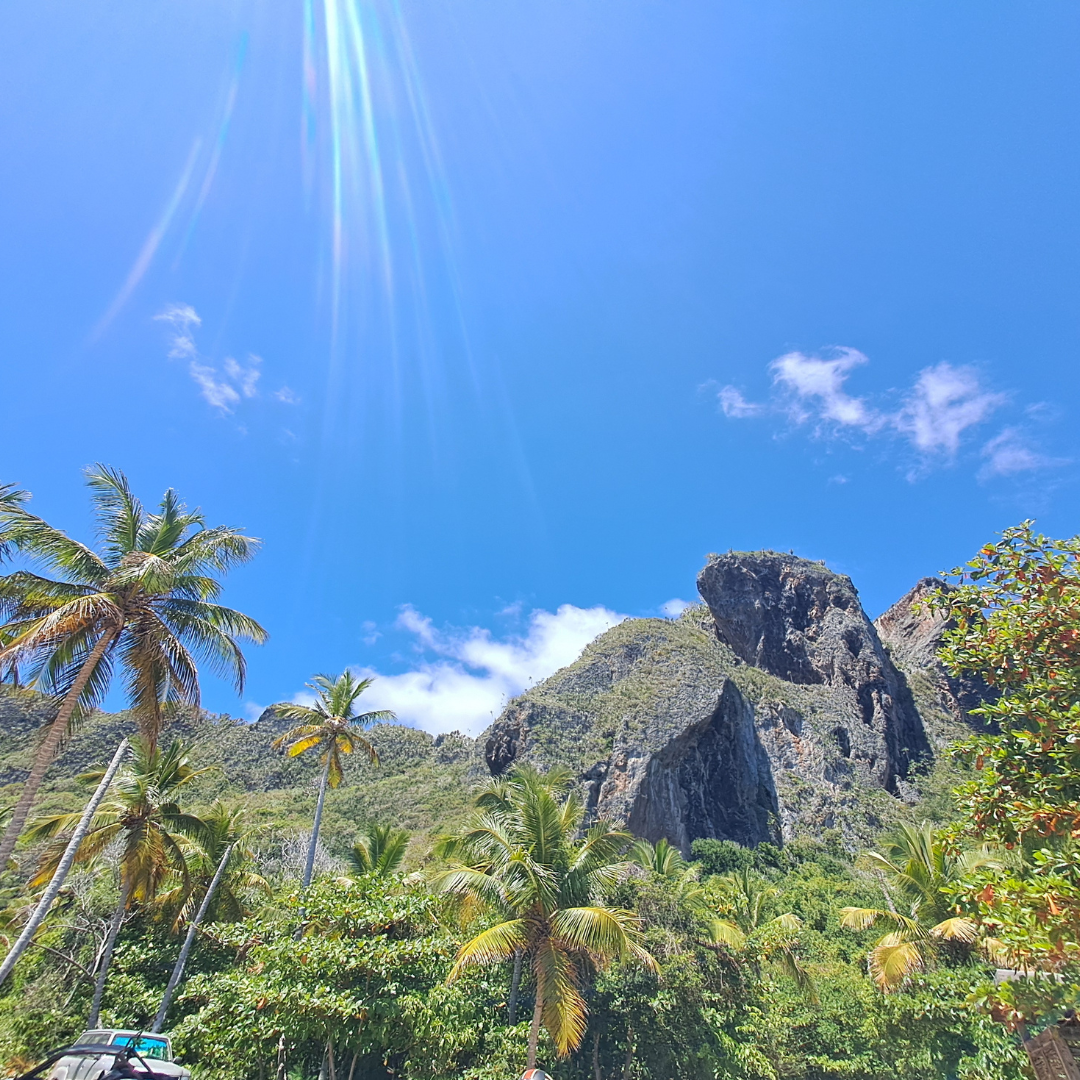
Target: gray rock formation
[771, 711]
[912, 633]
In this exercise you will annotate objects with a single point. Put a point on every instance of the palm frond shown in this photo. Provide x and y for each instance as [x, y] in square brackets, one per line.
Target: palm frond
[498, 942]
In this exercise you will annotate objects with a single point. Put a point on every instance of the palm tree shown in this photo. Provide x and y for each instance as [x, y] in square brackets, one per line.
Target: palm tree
[661, 858]
[379, 850]
[332, 727]
[142, 813]
[523, 859]
[225, 829]
[916, 870]
[144, 603]
[219, 874]
[748, 926]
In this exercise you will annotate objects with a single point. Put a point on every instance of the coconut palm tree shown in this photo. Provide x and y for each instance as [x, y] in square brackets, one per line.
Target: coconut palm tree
[916, 869]
[523, 858]
[144, 602]
[218, 876]
[661, 858]
[226, 828]
[331, 726]
[747, 926]
[379, 850]
[142, 814]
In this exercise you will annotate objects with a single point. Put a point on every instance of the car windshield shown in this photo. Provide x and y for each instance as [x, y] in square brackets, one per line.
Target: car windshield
[92, 1038]
[146, 1046]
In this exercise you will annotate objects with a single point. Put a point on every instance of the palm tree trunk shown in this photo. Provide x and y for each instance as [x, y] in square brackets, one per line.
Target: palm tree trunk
[178, 971]
[515, 985]
[534, 1031]
[352, 1067]
[309, 867]
[46, 752]
[596, 1056]
[629, 1054]
[65, 864]
[110, 944]
[281, 1072]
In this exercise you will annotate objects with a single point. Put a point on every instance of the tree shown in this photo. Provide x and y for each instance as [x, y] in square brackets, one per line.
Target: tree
[747, 926]
[144, 602]
[224, 828]
[521, 858]
[919, 870]
[217, 876]
[661, 858]
[144, 816]
[332, 727]
[1015, 623]
[379, 850]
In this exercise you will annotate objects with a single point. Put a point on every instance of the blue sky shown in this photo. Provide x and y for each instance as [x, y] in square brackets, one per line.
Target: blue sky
[493, 318]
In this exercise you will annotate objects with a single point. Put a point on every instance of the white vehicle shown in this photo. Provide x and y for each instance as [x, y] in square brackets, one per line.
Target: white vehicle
[156, 1051]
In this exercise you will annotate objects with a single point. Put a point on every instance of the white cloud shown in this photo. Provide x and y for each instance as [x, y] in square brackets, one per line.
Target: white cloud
[473, 674]
[245, 379]
[1008, 454]
[286, 396]
[675, 607]
[934, 417]
[183, 318]
[223, 390]
[214, 391]
[818, 384]
[733, 404]
[946, 401]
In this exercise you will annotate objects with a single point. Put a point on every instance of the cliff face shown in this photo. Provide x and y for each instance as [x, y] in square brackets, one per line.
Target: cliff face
[913, 633]
[772, 710]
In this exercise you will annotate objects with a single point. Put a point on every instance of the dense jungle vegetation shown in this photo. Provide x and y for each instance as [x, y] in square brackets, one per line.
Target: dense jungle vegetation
[519, 930]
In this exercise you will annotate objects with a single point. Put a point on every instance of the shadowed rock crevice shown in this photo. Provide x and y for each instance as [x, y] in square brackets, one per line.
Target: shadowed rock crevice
[713, 780]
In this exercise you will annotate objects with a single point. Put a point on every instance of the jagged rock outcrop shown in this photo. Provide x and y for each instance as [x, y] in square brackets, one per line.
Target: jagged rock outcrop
[912, 632]
[772, 710]
[799, 621]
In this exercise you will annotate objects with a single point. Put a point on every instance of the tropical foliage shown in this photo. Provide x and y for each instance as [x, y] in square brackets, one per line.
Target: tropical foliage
[919, 871]
[144, 602]
[1016, 626]
[522, 859]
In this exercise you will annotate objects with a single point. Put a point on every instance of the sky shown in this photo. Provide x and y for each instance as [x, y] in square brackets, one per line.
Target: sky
[493, 319]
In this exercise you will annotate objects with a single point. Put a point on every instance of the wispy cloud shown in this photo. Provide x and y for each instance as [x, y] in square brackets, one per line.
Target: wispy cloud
[463, 678]
[1009, 453]
[943, 407]
[815, 387]
[224, 389]
[946, 402]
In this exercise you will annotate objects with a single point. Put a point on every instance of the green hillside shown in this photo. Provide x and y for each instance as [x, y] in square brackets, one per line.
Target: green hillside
[422, 783]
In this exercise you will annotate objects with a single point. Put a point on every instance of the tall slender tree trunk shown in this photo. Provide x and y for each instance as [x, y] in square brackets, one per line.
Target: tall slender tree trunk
[515, 985]
[281, 1072]
[46, 752]
[110, 944]
[352, 1067]
[596, 1056]
[534, 1030]
[65, 864]
[178, 971]
[309, 867]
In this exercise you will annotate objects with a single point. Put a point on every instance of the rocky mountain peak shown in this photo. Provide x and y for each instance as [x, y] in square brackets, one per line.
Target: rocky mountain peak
[772, 710]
